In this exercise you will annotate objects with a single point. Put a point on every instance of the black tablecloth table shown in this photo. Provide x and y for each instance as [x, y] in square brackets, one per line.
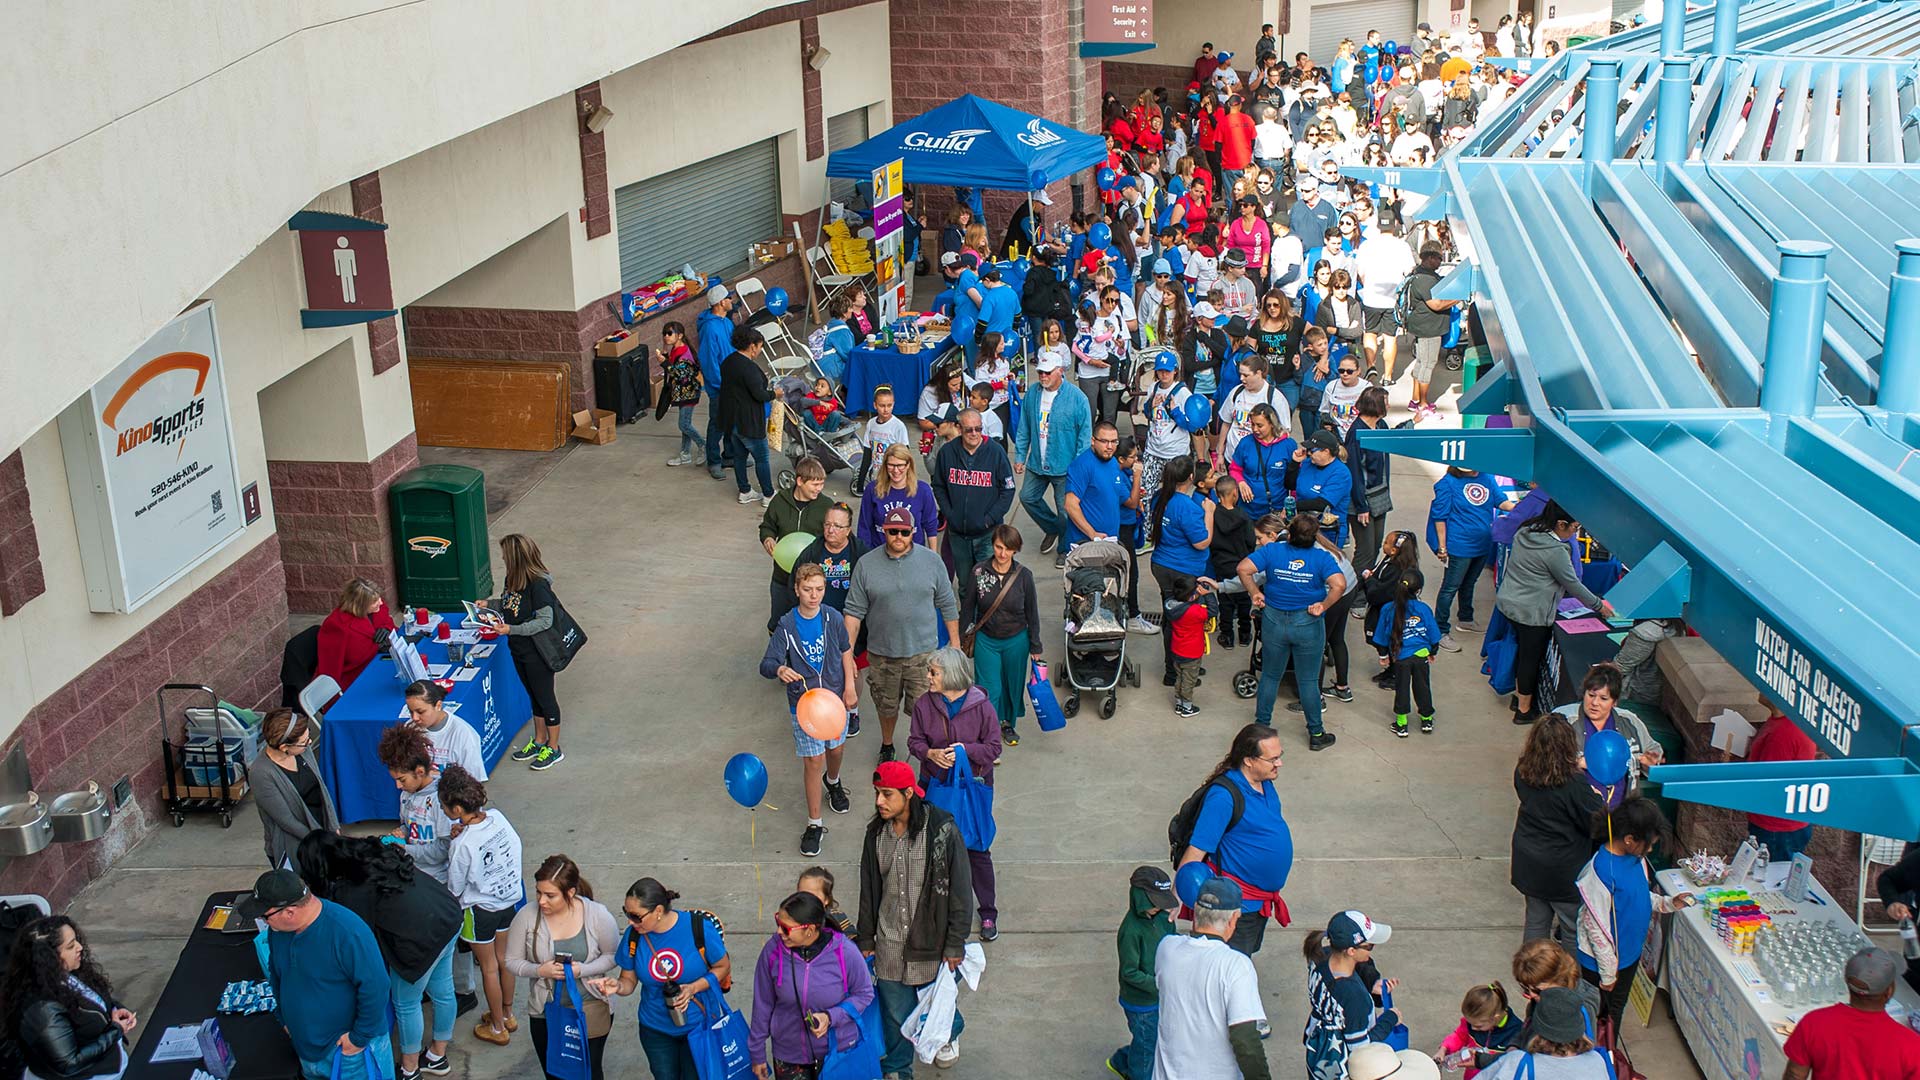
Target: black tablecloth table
[210, 961]
[1567, 660]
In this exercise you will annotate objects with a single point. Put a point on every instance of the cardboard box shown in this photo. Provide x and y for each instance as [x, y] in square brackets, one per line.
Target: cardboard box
[768, 250]
[594, 425]
[617, 345]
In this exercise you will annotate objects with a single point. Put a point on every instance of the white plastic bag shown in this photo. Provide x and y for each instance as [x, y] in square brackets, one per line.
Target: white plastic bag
[930, 1025]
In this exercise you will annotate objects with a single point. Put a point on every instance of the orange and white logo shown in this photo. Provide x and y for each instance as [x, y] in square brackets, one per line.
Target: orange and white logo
[431, 546]
[171, 427]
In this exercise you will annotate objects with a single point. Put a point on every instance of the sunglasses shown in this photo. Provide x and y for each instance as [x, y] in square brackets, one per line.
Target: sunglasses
[1349, 371]
[974, 429]
[898, 532]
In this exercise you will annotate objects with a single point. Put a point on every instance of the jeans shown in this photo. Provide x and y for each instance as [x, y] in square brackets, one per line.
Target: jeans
[780, 600]
[742, 446]
[1105, 403]
[1033, 496]
[897, 1000]
[1542, 915]
[834, 422]
[1291, 638]
[719, 440]
[1782, 846]
[437, 983]
[1130, 539]
[1135, 1060]
[668, 1056]
[1463, 573]
[967, 551]
[689, 435]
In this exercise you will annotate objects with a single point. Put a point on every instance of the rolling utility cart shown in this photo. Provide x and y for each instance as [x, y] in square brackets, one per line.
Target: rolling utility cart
[206, 761]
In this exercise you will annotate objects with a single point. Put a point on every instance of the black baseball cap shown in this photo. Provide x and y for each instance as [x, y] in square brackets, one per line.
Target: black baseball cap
[274, 889]
[1157, 885]
[1324, 440]
[1237, 327]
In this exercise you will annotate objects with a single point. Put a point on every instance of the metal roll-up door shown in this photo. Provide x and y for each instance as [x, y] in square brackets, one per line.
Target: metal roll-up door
[1625, 10]
[844, 132]
[1394, 19]
[707, 214]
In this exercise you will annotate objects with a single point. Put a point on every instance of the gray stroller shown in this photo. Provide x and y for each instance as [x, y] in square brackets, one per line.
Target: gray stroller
[1096, 630]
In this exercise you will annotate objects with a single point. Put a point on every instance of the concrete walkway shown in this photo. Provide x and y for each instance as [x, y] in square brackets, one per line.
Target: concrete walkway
[662, 568]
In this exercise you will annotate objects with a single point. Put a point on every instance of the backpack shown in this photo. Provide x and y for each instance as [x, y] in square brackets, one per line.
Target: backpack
[817, 342]
[1180, 829]
[1403, 303]
[700, 919]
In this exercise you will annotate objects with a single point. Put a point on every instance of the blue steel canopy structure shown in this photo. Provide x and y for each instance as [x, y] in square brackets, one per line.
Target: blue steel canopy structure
[1706, 323]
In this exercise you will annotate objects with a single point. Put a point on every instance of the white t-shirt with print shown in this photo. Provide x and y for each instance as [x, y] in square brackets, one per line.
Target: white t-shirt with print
[456, 743]
[1205, 988]
[1046, 409]
[483, 864]
[1240, 406]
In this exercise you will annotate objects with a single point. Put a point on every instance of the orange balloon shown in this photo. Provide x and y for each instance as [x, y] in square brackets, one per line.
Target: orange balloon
[1453, 69]
[822, 714]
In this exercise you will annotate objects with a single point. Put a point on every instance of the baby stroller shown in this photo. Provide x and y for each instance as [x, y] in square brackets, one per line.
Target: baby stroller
[835, 449]
[1096, 585]
[1246, 683]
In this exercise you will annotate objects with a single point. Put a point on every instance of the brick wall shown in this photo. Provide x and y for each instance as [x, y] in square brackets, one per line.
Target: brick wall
[1128, 79]
[104, 724]
[333, 523]
[598, 204]
[21, 578]
[383, 335]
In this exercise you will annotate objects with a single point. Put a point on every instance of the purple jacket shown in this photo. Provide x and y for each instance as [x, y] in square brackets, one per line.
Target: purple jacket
[976, 725]
[787, 988]
[873, 510]
[1525, 510]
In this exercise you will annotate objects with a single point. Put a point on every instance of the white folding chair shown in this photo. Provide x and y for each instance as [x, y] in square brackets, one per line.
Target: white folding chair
[783, 355]
[318, 694]
[1884, 850]
[748, 290]
[826, 276]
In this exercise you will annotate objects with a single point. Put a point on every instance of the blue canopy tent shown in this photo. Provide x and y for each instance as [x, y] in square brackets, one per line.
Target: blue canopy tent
[973, 142]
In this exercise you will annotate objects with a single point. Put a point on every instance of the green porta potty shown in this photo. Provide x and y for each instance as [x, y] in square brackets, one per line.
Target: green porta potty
[440, 536]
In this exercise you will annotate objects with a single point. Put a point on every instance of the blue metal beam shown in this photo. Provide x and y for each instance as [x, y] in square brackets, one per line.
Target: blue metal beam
[1877, 796]
[1657, 587]
[1501, 451]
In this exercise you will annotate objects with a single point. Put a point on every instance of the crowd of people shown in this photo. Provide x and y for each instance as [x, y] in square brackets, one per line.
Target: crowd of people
[1186, 372]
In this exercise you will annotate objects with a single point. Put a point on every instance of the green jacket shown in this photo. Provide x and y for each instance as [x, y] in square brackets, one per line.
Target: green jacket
[1139, 937]
[785, 516]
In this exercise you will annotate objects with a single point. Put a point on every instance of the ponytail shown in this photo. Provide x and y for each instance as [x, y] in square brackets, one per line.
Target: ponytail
[1404, 592]
[1177, 472]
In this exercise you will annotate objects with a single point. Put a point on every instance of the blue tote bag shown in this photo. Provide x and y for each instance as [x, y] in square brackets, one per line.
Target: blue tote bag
[1398, 1037]
[861, 1061]
[719, 1041]
[970, 802]
[567, 1031]
[1046, 704]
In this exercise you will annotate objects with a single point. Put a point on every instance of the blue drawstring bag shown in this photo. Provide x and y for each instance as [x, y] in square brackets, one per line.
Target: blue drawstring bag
[1499, 646]
[1046, 704]
[1397, 1038]
[374, 1071]
[970, 801]
[719, 1041]
[567, 1031]
[861, 1061]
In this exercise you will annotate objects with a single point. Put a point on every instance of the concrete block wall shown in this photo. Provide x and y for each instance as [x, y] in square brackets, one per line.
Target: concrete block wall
[21, 577]
[333, 523]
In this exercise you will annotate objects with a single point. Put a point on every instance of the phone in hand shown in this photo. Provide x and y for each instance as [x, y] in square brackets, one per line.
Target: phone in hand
[563, 958]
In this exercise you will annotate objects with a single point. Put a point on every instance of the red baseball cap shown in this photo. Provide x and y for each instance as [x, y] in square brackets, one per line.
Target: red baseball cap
[897, 775]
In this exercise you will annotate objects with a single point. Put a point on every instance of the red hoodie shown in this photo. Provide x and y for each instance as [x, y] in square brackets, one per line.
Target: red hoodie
[1779, 739]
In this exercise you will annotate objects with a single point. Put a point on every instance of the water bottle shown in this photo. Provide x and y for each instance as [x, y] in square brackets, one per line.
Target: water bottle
[1760, 861]
[1287, 509]
[1909, 939]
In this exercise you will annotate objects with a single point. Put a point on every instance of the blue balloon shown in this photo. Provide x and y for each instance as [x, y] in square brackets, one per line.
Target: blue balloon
[777, 301]
[746, 778]
[1186, 883]
[1099, 236]
[1389, 48]
[1105, 178]
[1607, 757]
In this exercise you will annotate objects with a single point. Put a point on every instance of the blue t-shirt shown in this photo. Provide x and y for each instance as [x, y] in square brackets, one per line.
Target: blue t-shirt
[1296, 577]
[1264, 468]
[1418, 630]
[1128, 514]
[1333, 483]
[1259, 849]
[998, 306]
[1100, 486]
[812, 635]
[669, 955]
[1625, 876]
[965, 311]
[1466, 504]
[1183, 523]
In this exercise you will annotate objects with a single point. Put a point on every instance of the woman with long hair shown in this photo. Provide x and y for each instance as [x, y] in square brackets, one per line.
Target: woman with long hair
[897, 484]
[564, 926]
[1180, 524]
[1399, 556]
[525, 609]
[59, 1008]
[1551, 839]
[1538, 572]
[287, 787]
[810, 986]
[414, 919]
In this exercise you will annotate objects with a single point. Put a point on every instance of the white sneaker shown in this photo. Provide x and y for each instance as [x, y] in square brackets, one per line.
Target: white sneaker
[679, 459]
[1138, 625]
[1447, 643]
[1467, 626]
[944, 1057]
[748, 498]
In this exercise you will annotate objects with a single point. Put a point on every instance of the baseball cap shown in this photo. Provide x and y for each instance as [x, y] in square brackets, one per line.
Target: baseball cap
[1309, 182]
[1225, 56]
[991, 272]
[1042, 197]
[1557, 1016]
[1237, 327]
[716, 294]
[1870, 971]
[1205, 310]
[1372, 1061]
[898, 517]
[1234, 257]
[1157, 885]
[273, 889]
[1351, 928]
[948, 258]
[1430, 248]
[1428, 27]
[1162, 266]
[1166, 360]
[966, 260]
[897, 775]
[1327, 440]
[1218, 894]
[1052, 358]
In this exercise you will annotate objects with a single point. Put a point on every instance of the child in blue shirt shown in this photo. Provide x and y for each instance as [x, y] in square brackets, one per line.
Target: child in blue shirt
[1411, 639]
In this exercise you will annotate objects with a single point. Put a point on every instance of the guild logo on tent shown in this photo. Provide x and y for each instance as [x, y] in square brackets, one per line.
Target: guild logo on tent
[431, 546]
[953, 142]
[1038, 134]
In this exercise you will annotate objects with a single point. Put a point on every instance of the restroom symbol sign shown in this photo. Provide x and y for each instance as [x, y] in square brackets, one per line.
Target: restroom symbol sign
[344, 261]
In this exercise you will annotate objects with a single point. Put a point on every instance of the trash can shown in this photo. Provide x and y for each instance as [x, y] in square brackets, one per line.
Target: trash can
[440, 536]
